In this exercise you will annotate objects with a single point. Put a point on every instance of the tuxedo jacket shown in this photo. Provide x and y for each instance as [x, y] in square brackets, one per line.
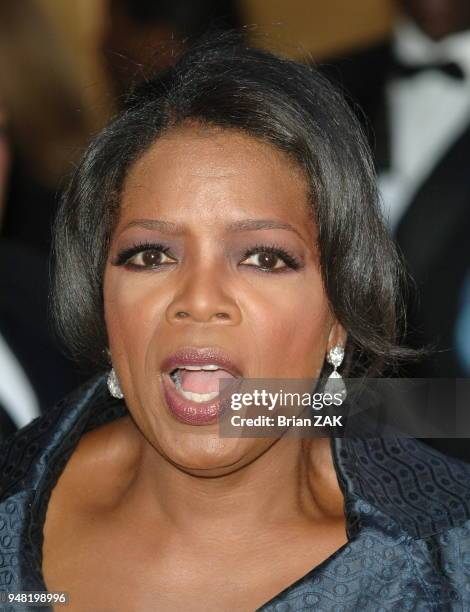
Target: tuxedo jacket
[25, 326]
[434, 232]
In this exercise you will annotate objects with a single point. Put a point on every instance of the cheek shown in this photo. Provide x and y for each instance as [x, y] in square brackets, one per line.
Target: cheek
[290, 329]
[284, 325]
[133, 308]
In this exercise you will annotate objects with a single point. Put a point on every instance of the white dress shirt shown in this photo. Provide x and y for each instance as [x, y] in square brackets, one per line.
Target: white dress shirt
[427, 114]
[16, 394]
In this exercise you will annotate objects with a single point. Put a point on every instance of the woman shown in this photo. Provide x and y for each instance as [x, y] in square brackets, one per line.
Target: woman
[224, 226]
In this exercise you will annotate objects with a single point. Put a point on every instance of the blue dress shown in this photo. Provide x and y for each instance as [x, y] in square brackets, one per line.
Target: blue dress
[407, 510]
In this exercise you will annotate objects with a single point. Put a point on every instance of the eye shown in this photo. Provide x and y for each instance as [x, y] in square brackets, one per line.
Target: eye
[150, 258]
[145, 256]
[270, 258]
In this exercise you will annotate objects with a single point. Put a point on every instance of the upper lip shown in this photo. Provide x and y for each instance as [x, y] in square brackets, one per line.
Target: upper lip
[200, 356]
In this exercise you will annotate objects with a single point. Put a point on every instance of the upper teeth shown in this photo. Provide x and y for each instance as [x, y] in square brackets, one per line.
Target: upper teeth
[209, 366]
[195, 397]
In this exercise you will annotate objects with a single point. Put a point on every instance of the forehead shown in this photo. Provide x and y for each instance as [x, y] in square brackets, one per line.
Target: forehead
[210, 172]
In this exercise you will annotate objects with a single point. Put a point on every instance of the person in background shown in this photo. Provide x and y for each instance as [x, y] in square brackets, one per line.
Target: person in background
[47, 124]
[18, 403]
[143, 36]
[414, 90]
[39, 128]
[16, 397]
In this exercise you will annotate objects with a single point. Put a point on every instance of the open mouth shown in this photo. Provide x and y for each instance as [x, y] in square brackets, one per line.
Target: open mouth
[199, 383]
[195, 394]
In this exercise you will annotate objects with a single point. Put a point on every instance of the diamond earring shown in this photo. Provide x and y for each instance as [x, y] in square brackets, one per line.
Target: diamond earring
[335, 383]
[113, 385]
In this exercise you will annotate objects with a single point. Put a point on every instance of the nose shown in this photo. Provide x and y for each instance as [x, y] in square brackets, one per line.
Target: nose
[201, 298]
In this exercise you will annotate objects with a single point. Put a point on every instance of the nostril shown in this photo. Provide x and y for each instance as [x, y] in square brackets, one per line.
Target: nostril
[222, 315]
[181, 314]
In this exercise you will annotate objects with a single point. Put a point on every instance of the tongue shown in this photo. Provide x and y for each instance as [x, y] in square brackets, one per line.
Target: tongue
[202, 381]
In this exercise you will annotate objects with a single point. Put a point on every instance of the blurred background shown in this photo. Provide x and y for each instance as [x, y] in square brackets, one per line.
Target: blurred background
[404, 66]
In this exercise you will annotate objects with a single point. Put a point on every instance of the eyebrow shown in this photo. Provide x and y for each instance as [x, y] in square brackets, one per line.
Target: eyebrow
[168, 227]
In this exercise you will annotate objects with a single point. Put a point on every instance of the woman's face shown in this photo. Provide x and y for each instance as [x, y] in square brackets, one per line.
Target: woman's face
[214, 249]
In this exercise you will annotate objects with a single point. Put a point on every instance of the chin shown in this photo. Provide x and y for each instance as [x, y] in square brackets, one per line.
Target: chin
[209, 455]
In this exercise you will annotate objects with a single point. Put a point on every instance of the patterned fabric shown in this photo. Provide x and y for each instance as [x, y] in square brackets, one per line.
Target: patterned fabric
[407, 510]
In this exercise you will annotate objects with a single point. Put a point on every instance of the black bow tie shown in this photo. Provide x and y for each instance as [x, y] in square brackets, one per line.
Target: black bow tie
[451, 69]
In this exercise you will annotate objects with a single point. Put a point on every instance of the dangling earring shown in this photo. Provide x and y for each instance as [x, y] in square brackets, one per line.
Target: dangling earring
[335, 383]
[113, 385]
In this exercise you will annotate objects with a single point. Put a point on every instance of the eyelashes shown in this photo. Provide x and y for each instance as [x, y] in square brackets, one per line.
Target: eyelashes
[288, 258]
[124, 256]
[152, 251]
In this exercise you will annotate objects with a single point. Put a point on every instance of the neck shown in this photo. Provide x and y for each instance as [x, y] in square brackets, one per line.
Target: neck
[293, 480]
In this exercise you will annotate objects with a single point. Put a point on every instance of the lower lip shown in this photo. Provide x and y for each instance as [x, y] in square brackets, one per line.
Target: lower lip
[190, 412]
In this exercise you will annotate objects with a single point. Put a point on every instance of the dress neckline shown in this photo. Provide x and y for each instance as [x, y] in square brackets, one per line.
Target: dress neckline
[95, 409]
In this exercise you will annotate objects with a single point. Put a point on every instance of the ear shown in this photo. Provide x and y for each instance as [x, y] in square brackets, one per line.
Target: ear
[337, 336]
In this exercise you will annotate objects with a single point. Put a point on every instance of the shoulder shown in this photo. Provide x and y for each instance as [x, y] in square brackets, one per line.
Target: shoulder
[33, 456]
[100, 469]
[31, 463]
[22, 452]
[420, 488]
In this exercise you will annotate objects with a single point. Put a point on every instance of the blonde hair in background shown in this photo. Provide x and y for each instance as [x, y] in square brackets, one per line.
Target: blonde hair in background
[39, 92]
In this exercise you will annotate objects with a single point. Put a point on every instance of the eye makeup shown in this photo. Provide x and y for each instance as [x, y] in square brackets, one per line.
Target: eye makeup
[290, 260]
[124, 256]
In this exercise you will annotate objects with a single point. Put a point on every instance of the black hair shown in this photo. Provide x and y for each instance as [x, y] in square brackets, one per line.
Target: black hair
[222, 82]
